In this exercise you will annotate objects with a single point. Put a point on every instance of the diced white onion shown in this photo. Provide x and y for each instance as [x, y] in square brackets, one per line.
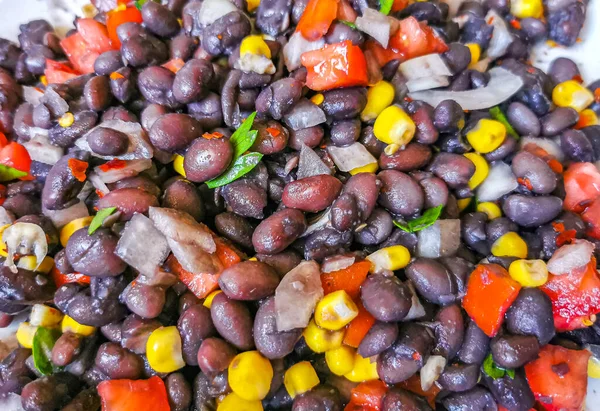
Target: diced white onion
[304, 114]
[139, 147]
[427, 83]
[182, 228]
[500, 181]
[213, 10]
[24, 239]
[350, 157]
[571, 257]
[40, 149]
[322, 220]
[32, 95]
[337, 262]
[376, 25]
[431, 371]
[131, 169]
[61, 217]
[501, 37]
[425, 66]
[296, 46]
[441, 239]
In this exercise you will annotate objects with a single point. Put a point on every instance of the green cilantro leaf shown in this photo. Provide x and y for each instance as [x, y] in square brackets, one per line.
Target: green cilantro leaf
[242, 139]
[498, 115]
[99, 219]
[43, 341]
[348, 23]
[8, 173]
[239, 168]
[140, 3]
[495, 372]
[385, 6]
[428, 218]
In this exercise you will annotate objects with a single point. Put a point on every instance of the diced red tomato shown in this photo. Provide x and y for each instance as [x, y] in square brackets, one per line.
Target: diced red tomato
[582, 186]
[345, 12]
[78, 168]
[490, 292]
[348, 279]
[316, 19]
[130, 395]
[359, 327]
[95, 35]
[56, 72]
[413, 384]
[336, 65]
[558, 378]
[367, 396]
[117, 17]
[3, 140]
[81, 56]
[61, 279]
[16, 155]
[591, 216]
[399, 5]
[575, 297]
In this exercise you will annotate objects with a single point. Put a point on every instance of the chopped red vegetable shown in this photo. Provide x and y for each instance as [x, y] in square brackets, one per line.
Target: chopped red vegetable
[78, 168]
[575, 297]
[119, 16]
[558, 378]
[316, 19]
[80, 55]
[174, 65]
[61, 279]
[3, 140]
[95, 35]
[130, 395]
[56, 72]
[359, 327]
[336, 65]
[367, 396]
[490, 292]
[591, 216]
[348, 279]
[582, 186]
[16, 155]
[345, 12]
[115, 164]
[413, 384]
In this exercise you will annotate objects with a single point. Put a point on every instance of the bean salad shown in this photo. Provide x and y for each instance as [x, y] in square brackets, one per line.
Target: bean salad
[307, 205]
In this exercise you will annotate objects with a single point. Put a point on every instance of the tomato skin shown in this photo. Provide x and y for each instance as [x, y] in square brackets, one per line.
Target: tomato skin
[57, 73]
[359, 327]
[582, 186]
[80, 55]
[15, 155]
[591, 216]
[334, 66]
[367, 396]
[348, 279]
[564, 390]
[130, 395]
[117, 17]
[490, 292]
[61, 279]
[316, 19]
[95, 35]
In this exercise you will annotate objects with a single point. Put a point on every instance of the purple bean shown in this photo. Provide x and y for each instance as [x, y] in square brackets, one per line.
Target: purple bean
[233, 321]
[523, 119]
[378, 228]
[385, 298]
[214, 355]
[159, 19]
[400, 193]
[184, 196]
[475, 345]
[179, 392]
[514, 351]
[530, 314]
[344, 213]
[128, 201]
[531, 211]
[108, 62]
[432, 280]
[535, 170]
[576, 146]
[135, 332]
[271, 343]
[118, 363]
[194, 325]
[192, 81]
[454, 169]
[339, 32]
[311, 194]
[423, 118]
[448, 115]
[94, 254]
[156, 85]
[206, 158]
[559, 119]
[107, 141]
[413, 157]
[310, 137]
[344, 103]
[459, 377]
[380, 337]
[399, 399]
[249, 280]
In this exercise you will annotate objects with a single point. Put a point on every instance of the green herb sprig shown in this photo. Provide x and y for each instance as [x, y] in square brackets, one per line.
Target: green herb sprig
[428, 218]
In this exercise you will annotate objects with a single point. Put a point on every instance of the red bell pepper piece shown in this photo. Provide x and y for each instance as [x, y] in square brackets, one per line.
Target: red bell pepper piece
[130, 395]
[413, 384]
[95, 35]
[336, 65]
[16, 155]
[591, 216]
[359, 327]
[575, 297]
[367, 396]
[582, 186]
[316, 19]
[119, 16]
[61, 279]
[490, 292]
[56, 72]
[3, 140]
[558, 378]
[348, 279]
[80, 55]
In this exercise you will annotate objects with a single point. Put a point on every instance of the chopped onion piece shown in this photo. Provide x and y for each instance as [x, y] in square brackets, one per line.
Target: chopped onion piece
[310, 164]
[24, 239]
[337, 262]
[431, 371]
[317, 223]
[376, 25]
[549, 145]
[416, 309]
[502, 85]
[6, 217]
[98, 183]
[40, 149]
[297, 295]
[427, 83]
[425, 66]
[441, 239]
[212, 10]
[61, 217]
[304, 114]
[194, 259]
[11, 402]
[256, 63]
[570, 257]
[131, 169]
[296, 46]
[350, 157]
[181, 227]
[500, 181]
[32, 95]
[142, 246]
[139, 146]
[501, 37]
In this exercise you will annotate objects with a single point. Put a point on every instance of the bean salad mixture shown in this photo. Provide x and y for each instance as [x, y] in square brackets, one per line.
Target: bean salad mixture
[308, 205]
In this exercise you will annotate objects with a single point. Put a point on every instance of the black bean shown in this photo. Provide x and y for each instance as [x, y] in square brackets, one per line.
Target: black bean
[279, 97]
[565, 24]
[508, 146]
[593, 135]
[86, 400]
[123, 86]
[108, 62]
[174, 131]
[459, 377]
[270, 342]
[533, 28]
[563, 69]
[249, 280]
[207, 111]
[479, 79]
[192, 81]
[558, 120]
[310, 137]
[62, 186]
[343, 104]
[194, 325]
[159, 19]
[143, 50]
[156, 85]
[233, 321]
[135, 331]
[272, 137]
[379, 338]
[344, 133]
[66, 348]
[475, 345]
[371, 143]
[278, 231]
[378, 228]
[66, 136]
[385, 298]
[86, 309]
[511, 393]
[477, 398]
[323, 397]
[339, 32]
[498, 227]
[325, 243]
[245, 198]
[147, 301]
[214, 355]
[400, 193]
[179, 392]
[531, 211]
[107, 141]
[182, 195]
[523, 119]
[576, 146]
[454, 169]
[432, 280]
[50, 392]
[427, 11]
[224, 34]
[530, 314]
[535, 170]
[448, 115]
[399, 399]
[282, 262]
[128, 201]
[118, 363]
[449, 331]
[423, 117]
[514, 351]
[273, 16]
[344, 213]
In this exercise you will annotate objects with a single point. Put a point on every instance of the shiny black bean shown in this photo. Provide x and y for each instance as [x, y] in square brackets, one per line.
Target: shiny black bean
[379, 338]
[343, 133]
[311, 194]
[182, 47]
[66, 136]
[323, 397]
[108, 62]
[192, 81]
[533, 28]
[423, 118]
[400, 193]
[194, 325]
[118, 363]
[344, 213]
[593, 135]
[325, 243]
[310, 137]
[407, 355]
[159, 19]
[175, 131]
[514, 351]
[119, 113]
[279, 97]
[427, 11]
[385, 298]
[459, 377]
[432, 280]
[107, 141]
[278, 231]
[65, 349]
[371, 143]
[523, 119]
[97, 93]
[214, 355]
[565, 24]
[207, 111]
[22, 204]
[207, 158]
[535, 170]
[270, 342]
[576, 146]
[531, 211]
[448, 115]
[508, 146]
[233, 321]
[475, 345]
[476, 399]
[563, 69]
[272, 137]
[245, 198]
[224, 34]
[339, 32]
[234, 228]
[41, 117]
[179, 392]
[182, 195]
[141, 50]
[249, 280]
[273, 16]
[128, 201]
[50, 392]
[123, 87]
[282, 262]
[476, 30]
[378, 227]
[135, 332]
[479, 79]
[156, 85]
[498, 227]
[341, 104]
[558, 120]
[94, 254]
[397, 399]
[511, 393]
[144, 300]
[530, 314]
[454, 169]
[414, 156]
[365, 189]
[449, 331]
[86, 400]
[86, 309]
[62, 187]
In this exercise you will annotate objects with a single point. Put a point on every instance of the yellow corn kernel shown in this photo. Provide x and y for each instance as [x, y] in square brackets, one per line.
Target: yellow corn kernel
[510, 245]
[250, 375]
[523, 9]
[491, 209]
[209, 299]
[300, 378]
[394, 127]
[463, 203]
[25, 334]
[529, 273]
[44, 80]
[67, 231]
[340, 360]
[253, 4]
[318, 99]
[379, 97]
[178, 165]
[69, 324]
[255, 44]
[363, 370]
[482, 169]
[390, 258]
[66, 120]
[593, 369]
[89, 10]
[163, 349]
[321, 340]
[587, 118]
[233, 402]
[369, 168]
[3, 249]
[335, 311]
[44, 316]
[572, 94]
[475, 50]
[29, 262]
[487, 135]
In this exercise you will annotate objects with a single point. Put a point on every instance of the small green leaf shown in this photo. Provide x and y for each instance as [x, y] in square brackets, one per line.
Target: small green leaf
[140, 3]
[240, 167]
[386, 6]
[348, 23]
[511, 373]
[498, 115]
[8, 173]
[242, 139]
[43, 341]
[491, 369]
[99, 219]
[428, 218]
